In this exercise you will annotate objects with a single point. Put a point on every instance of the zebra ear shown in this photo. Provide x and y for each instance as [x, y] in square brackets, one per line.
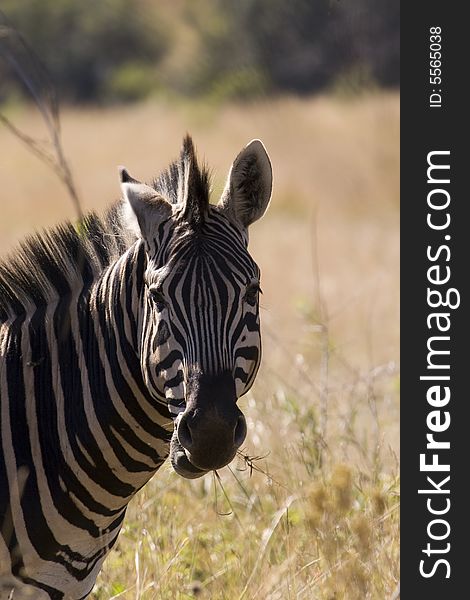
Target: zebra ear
[249, 185]
[144, 208]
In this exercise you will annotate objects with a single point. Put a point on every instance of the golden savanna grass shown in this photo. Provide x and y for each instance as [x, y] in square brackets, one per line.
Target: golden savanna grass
[309, 510]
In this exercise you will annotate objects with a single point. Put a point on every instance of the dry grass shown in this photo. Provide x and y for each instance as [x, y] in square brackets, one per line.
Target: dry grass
[321, 520]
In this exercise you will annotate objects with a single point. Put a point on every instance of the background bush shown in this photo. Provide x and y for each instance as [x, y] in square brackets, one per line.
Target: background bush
[85, 45]
[122, 50]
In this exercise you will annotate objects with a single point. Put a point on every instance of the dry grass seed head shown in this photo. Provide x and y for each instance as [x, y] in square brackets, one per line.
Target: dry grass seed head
[341, 484]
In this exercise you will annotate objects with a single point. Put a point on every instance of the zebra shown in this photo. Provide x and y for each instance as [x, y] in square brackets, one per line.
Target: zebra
[124, 340]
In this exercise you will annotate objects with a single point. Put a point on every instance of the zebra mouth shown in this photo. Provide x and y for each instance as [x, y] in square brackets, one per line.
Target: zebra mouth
[181, 463]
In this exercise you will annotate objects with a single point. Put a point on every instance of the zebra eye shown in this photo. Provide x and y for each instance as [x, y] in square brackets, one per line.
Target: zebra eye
[157, 297]
[251, 294]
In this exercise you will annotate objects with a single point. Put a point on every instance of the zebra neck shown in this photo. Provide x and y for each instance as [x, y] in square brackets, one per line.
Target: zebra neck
[133, 429]
[80, 434]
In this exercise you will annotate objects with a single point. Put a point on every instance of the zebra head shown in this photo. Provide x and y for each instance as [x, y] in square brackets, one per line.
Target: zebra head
[200, 344]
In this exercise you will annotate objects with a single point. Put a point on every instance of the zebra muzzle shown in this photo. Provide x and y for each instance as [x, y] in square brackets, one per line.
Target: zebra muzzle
[210, 439]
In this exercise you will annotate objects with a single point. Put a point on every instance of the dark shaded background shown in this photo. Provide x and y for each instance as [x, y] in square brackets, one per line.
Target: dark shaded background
[124, 50]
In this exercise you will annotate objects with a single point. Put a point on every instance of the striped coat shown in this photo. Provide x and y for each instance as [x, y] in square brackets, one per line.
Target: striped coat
[122, 341]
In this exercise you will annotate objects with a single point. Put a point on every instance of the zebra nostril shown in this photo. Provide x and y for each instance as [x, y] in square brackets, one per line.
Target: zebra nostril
[240, 431]
[184, 433]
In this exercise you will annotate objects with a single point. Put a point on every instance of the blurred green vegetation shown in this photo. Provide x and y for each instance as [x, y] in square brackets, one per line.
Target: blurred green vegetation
[124, 50]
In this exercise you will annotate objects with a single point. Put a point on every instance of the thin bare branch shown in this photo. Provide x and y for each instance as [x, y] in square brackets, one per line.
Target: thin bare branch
[34, 76]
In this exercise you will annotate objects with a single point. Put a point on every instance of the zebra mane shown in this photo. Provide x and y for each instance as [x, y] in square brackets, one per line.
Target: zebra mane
[60, 260]
[184, 182]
